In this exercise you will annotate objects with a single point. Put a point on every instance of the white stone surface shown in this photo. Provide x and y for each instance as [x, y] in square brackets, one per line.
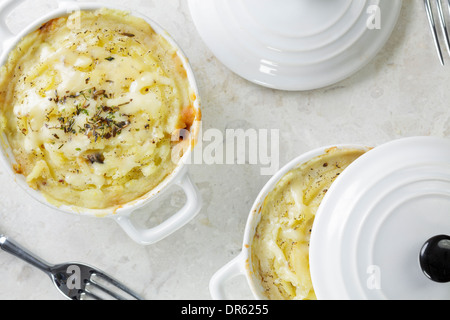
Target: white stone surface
[402, 92]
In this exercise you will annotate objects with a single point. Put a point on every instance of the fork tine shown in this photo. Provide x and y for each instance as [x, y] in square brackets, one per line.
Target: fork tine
[92, 295]
[443, 24]
[117, 284]
[105, 290]
[433, 29]
[448, 6]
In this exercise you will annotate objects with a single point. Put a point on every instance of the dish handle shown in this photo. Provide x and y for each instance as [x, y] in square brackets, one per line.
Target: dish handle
[6, 7]
[181, 218]
[233, 269]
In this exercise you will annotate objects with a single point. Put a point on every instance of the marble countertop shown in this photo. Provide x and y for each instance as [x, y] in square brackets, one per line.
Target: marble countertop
[401, 93]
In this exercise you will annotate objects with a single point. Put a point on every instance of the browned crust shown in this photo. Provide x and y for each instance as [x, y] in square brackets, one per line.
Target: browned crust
[50, 26]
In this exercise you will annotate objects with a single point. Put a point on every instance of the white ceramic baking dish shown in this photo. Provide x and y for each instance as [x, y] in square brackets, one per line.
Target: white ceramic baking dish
[242, 264]
[179, 177]
[373, 228]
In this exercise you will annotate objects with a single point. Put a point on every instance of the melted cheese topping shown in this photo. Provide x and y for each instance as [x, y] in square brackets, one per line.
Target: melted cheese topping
[280, 248]
[89, 104]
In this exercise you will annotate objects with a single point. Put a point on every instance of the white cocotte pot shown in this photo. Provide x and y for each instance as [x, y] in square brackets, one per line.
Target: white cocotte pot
[179, 177]
[372, 227]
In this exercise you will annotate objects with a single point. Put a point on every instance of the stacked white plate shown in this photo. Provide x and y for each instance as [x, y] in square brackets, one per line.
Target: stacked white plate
[295, 45]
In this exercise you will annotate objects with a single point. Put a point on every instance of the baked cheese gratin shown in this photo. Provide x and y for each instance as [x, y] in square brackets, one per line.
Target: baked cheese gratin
[89, 104]
[280, 248]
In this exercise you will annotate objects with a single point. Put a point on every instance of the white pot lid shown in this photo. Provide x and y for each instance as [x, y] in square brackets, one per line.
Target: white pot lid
[375, 219]
[295, 44]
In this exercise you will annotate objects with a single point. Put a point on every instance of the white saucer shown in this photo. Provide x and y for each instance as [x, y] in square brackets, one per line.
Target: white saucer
[294, 45]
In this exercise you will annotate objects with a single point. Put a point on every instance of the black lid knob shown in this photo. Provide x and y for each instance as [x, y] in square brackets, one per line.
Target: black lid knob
[435, 258]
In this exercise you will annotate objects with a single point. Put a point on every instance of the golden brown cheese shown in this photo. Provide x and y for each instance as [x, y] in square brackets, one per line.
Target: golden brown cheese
[89, 103]
[280, 248]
